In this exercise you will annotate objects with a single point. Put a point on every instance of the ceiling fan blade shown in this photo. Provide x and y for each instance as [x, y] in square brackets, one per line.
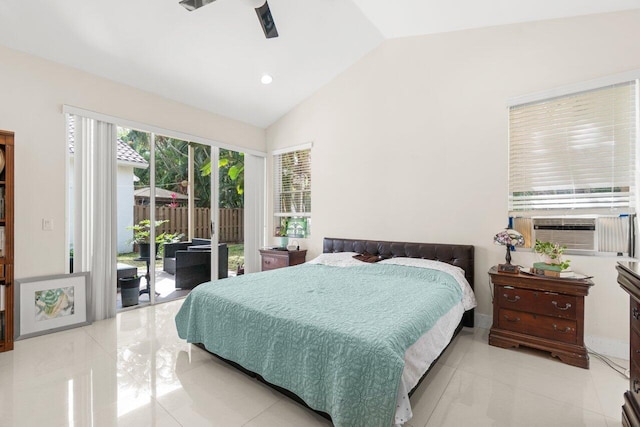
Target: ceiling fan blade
[192, 5]
[266, 21]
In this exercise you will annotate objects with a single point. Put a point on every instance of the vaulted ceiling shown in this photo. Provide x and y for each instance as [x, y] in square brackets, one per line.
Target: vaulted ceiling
[213, 58]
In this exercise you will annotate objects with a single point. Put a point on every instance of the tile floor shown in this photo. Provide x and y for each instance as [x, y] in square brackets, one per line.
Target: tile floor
[133, 370]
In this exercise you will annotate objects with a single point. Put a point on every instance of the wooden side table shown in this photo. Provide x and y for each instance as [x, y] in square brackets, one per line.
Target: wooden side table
[542, 312]
[272, 258]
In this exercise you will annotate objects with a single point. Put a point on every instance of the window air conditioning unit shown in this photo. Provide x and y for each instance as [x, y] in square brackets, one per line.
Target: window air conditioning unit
[574, 233]
[603, 234]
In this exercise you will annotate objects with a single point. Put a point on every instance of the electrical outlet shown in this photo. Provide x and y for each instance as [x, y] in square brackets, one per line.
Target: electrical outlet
[47, 224]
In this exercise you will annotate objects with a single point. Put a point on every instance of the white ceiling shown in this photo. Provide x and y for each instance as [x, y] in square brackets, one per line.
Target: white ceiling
[213, 58]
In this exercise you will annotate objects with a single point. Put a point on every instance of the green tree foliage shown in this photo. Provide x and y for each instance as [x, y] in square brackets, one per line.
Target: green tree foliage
[172, 162]
[231, 167]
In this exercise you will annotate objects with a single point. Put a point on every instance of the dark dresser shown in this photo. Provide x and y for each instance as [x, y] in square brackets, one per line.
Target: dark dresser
[629, 279]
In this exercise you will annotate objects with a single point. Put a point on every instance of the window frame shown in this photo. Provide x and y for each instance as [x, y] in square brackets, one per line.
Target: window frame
[291, 218]
[566, 92]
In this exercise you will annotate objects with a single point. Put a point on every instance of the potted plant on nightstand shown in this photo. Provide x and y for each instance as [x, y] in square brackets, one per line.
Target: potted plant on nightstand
[552, 263]
[281, 233]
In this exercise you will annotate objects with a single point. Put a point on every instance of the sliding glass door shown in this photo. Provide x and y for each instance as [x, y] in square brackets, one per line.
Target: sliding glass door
[166, 210]
[185, 204]
[179, 215]
[197, 208]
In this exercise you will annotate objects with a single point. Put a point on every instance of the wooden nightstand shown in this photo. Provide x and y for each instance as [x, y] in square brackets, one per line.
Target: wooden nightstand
[272, 259]
[540, 312]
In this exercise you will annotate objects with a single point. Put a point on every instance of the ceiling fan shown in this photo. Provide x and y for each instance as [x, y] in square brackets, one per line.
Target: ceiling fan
[263, 12]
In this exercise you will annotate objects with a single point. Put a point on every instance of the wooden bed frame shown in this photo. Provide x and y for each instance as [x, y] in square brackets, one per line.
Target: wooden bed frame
[459, 255]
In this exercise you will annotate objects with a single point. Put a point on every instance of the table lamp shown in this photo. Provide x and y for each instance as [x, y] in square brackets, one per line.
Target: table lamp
[508, 238]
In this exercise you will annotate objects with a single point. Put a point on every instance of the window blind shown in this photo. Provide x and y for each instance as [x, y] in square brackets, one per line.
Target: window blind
[575, 152]
[292, 178]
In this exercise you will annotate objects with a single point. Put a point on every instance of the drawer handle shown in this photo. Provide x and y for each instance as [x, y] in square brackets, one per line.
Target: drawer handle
[636, 388]
[566, 307]
[511, 300]
[636, 313]
[517, 319]
[565, 331]
[267, 262]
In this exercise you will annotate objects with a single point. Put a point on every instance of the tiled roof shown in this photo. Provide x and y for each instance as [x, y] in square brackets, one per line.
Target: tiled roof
[161, 193]
[128, 154]
[125, 152]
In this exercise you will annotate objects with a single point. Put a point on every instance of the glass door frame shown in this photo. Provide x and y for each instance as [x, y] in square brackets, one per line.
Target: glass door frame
[214, 204]
[256, 219]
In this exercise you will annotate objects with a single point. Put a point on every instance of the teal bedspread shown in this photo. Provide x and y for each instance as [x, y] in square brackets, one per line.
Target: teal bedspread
[335, 336]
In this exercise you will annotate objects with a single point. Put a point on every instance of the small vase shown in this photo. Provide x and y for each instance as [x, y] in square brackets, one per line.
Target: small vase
[544, 258]
[282, 241]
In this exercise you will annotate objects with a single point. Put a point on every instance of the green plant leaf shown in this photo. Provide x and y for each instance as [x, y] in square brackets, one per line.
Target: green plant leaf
[206, 169]
[234, 171]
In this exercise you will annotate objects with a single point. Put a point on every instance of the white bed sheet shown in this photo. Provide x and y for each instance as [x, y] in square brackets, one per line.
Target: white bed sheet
[419, 357]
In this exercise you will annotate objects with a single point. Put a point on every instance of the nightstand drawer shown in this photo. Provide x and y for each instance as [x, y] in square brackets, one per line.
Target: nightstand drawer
[270, 262]
[272, 259]
[546, 303]
[540, 326]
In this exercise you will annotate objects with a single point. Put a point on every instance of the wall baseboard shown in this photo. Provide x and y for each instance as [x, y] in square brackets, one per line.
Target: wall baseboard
[483, 320]
[608, 347]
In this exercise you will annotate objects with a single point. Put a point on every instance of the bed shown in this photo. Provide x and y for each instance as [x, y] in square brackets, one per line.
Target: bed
[348, 338]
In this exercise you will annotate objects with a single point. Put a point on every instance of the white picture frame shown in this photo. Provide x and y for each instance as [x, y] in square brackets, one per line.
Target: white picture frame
[50, 304]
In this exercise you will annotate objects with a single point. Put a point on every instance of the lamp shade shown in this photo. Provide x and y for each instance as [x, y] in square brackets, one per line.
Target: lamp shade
[509, 237]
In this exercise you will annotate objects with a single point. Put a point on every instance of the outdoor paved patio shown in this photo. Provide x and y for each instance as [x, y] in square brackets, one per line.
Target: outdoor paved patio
[165, 286]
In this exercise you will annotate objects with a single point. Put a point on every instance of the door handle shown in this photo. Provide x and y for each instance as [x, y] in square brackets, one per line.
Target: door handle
[567, 306]
[515, 299]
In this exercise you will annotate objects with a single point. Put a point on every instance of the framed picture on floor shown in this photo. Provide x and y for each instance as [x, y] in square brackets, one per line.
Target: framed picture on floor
[49, 304]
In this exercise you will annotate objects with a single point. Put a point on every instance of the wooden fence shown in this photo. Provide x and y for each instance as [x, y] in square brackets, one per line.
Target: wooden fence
[231, 227]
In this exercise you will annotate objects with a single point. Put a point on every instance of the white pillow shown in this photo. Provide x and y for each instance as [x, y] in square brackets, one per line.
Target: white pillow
[468, 297]
[337, 259]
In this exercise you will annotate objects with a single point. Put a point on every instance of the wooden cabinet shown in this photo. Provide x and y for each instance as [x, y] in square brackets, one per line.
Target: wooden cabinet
[6, 241]
[629, 280]
[272, 259]
[541, 312]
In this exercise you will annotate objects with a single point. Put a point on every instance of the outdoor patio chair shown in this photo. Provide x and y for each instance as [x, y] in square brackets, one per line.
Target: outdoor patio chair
[170, 249]
[193, 267]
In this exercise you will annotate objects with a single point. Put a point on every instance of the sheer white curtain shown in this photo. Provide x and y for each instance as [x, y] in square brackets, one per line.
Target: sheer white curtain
[95, 215]
[254, 211]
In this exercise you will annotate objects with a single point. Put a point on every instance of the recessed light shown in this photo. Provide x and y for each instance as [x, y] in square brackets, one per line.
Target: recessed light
[266, 79]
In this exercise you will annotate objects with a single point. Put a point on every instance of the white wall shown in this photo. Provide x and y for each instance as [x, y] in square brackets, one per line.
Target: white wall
[125, 202]
[33, 92]
[410, 143]
[125, 208]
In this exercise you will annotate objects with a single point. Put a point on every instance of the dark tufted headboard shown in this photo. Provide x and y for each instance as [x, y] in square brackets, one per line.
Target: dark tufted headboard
[458, 255]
